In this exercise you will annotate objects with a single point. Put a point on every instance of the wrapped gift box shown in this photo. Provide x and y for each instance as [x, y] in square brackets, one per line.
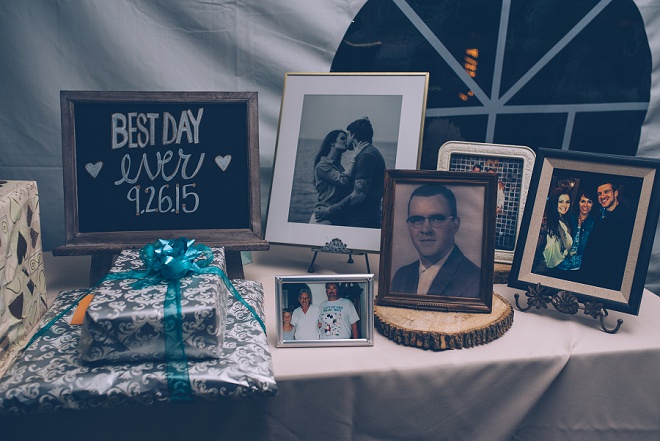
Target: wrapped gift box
[50, 375]
[22, 280]
[123, 323]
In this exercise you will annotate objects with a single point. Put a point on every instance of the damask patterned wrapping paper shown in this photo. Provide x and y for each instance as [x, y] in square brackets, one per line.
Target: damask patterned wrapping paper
[50, 376]
[22, 280]
[126, 324]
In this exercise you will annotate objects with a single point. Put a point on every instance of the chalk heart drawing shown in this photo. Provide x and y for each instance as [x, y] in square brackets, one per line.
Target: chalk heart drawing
[223, 161]
[94, 169]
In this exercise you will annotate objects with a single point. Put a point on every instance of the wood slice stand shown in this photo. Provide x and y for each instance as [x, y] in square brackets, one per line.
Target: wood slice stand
[501, 273]
[440, 331]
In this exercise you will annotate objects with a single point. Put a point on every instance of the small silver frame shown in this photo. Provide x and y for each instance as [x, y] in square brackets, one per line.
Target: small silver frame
[316, 283]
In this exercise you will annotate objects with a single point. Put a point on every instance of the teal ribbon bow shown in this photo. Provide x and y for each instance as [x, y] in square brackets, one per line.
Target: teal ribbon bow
[169, 260]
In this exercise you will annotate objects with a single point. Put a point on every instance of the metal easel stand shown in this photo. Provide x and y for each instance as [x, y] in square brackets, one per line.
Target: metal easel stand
[338, 247]
[565, 302]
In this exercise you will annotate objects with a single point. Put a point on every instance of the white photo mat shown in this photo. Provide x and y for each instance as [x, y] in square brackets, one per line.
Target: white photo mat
[395, 103]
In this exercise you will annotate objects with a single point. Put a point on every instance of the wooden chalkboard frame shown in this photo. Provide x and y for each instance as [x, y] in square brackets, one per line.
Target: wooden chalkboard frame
[103, 245]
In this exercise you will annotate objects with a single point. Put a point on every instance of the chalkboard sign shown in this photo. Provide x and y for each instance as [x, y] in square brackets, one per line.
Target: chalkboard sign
[139, 166]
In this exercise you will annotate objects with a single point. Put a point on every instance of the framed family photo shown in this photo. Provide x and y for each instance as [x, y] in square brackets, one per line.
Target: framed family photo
[588, 227]
[437, 241]
[325, 310]
[513, 166]
[338, 133]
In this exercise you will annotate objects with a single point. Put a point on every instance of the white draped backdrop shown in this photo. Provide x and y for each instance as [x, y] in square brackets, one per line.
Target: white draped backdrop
[218, 45]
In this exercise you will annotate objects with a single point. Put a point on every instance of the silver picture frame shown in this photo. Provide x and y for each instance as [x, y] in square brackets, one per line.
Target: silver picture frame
[357, 288]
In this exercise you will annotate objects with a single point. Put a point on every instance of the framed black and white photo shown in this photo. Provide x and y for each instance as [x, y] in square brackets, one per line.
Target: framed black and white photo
[325, 310]
[338, 133]
[588, 227]
[513, 165]
[437, 241]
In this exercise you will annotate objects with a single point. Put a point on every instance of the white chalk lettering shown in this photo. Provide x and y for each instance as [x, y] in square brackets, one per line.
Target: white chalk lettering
[125, 129]
[131, 129]
[168, 120]
[195, 122]
[184, 174]
[184, 126]
[188, 125]
[159, 167]
[146, 126]
[118, 129]
[167, 198]
[166, 158]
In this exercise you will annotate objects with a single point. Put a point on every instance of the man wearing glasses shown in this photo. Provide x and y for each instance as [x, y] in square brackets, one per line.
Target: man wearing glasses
[442, 269]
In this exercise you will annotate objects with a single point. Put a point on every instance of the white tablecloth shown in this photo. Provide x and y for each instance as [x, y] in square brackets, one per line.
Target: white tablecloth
[550, 377]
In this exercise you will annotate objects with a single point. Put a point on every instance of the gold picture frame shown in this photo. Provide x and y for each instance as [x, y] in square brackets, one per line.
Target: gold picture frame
[313, 106]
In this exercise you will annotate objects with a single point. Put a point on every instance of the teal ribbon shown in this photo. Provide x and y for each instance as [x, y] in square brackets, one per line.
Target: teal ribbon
[169, 260]
[174, 259]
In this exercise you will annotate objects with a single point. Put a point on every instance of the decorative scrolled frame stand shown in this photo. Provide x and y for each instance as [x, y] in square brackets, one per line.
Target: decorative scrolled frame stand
[338, 247]
[565, 302]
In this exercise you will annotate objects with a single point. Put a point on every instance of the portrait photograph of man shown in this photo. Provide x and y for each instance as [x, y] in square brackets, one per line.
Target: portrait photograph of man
[439, 236]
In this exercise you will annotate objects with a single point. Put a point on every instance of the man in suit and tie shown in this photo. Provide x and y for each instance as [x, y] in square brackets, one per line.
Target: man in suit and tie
[442, 269]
